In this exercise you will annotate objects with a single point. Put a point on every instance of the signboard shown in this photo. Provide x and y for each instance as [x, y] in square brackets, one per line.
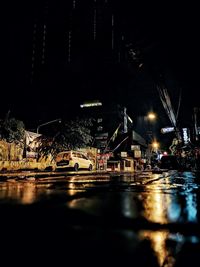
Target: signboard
[186, 137]
[101, 136]
[94, 103]
[32, 143]
[135, 147]
[137, 153]
[123, 154]
[167, 130]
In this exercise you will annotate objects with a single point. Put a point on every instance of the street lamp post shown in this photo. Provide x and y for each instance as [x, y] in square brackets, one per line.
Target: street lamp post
[155, 146]
[150, 118]
[49, 122]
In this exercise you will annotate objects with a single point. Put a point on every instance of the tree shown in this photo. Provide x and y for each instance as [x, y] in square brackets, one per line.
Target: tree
[73, 134]
[12, 130]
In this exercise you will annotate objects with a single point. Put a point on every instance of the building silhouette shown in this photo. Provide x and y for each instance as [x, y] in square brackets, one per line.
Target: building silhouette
[72, 35]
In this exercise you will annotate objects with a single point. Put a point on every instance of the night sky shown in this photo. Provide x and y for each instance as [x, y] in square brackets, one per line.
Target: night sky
[165, 37]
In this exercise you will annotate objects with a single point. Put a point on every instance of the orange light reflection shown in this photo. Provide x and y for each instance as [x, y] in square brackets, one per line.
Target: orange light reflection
[158, 243]
[156, 204]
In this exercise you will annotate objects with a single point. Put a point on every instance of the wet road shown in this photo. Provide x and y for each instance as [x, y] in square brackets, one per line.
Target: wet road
[143, 220]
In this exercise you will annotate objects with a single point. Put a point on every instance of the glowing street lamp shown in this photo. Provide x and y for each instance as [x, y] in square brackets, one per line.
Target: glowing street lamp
[151, 116]
[155, 145]
[49, 122]
[150, 119]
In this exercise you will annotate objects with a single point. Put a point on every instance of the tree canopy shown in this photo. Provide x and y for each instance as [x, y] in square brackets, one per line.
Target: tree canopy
[72, 135]
[11, 129]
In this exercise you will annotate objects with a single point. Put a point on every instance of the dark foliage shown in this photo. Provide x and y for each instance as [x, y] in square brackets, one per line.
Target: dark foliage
[72, 135]
[12, 130]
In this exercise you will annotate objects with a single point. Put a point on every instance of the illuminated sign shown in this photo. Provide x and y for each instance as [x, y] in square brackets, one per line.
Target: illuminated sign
[167, 130]
[123, 154]
[91, 104]
[186, 137]
[135, 147]
[137, 153]
[101, 136]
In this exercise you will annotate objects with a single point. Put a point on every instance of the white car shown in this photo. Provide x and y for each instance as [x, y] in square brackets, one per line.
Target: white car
[73, 159]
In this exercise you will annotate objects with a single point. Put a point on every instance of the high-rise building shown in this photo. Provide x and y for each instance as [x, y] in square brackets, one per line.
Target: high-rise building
[63, 48]
[78, 32]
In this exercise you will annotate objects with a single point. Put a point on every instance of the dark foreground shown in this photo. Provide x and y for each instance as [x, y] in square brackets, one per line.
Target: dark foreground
[144, 220]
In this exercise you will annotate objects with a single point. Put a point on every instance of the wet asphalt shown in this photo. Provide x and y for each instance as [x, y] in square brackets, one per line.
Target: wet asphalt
[138, 219]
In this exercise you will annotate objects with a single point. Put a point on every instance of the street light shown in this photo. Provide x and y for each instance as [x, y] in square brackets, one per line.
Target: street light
[151, 116]
[155, 145]
[49, 122]
[150, 119]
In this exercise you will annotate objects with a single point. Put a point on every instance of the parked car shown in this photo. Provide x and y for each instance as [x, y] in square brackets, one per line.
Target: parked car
[73, 159]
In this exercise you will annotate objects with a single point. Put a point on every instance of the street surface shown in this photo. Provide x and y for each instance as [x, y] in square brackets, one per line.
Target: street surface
[141, 219]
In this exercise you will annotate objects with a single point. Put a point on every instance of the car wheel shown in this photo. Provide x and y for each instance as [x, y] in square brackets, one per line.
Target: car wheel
[90, 167]
[76, 167]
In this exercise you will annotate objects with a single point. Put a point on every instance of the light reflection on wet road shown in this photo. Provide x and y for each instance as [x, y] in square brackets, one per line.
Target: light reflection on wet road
[155, 214]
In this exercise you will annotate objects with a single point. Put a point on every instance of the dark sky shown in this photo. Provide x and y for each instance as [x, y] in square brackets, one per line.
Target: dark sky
[165, 36]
